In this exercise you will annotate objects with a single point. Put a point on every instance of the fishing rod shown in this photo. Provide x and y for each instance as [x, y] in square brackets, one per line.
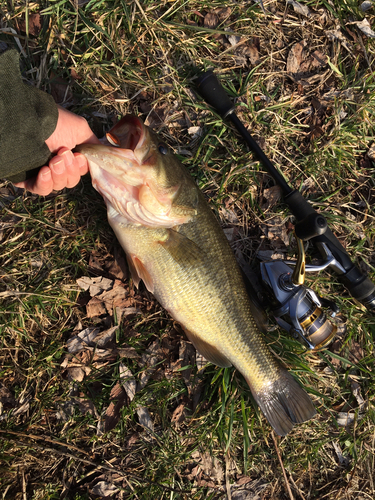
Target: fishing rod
[310, 225]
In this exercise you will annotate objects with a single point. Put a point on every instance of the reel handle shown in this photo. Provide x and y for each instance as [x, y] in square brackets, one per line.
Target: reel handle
[359, 286]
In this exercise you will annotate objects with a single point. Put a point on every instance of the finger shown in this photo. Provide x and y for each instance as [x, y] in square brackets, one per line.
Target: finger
[82, 163]
[72, 171]
[58, 172]
[42, 184]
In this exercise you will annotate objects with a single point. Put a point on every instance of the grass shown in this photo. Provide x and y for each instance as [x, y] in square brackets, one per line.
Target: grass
[103, 59]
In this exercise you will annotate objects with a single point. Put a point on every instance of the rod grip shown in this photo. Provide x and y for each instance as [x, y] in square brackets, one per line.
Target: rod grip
[214, 94]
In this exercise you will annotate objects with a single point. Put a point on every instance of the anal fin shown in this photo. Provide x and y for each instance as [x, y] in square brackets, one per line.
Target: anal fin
[209, 351]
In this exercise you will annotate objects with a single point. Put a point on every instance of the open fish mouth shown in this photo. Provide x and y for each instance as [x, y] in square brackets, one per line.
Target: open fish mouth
[122, 171]
[128, 133]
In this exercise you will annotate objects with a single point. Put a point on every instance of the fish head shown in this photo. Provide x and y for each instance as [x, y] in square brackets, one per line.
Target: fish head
[138, 175]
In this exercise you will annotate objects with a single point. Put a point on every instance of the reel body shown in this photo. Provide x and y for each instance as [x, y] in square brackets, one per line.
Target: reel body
[297, 308]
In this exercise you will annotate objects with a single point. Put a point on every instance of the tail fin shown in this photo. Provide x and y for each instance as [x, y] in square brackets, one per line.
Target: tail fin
[284, 403]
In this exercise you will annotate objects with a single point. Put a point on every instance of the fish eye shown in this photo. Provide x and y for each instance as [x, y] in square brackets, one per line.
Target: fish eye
[163, 149]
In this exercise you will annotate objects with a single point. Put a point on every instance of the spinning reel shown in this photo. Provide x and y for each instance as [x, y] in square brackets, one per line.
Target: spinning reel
[295, 307]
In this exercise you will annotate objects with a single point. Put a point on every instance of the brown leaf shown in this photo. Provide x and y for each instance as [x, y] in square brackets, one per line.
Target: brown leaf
[144, 418]
[113, 412]
[96, 285]
[104, 489]
[356, 353]
[35, 24]
[212, 467]
[76, 373]
[272, 195]
[275, 231]
[86, 406]
[127, 381]
[117, 297]
[295, 57]
[95, 308]
[178, 415]
[211, 20]
[94, 261]
[118, 267]
[127, 352]
[318, 59]
[252, 52]
[150, 358]
[223, 13]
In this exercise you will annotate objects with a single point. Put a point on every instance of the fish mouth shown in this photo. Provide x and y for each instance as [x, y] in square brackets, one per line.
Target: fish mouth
[129, 133]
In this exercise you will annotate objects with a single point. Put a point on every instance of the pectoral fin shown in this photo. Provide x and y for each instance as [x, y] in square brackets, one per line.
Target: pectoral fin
[183, 250]
[209, 351]
[139, 272]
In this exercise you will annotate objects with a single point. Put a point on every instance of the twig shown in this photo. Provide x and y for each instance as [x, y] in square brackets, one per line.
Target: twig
[227, 483]
[282, 466]
[44, 438]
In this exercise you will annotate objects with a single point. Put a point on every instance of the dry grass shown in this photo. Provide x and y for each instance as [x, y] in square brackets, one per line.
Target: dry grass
[315, 121]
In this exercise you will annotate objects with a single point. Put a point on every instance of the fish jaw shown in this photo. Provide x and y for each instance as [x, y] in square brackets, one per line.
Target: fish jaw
[128, 177]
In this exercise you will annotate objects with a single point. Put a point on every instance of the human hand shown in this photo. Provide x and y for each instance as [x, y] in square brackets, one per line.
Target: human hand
[66, 168]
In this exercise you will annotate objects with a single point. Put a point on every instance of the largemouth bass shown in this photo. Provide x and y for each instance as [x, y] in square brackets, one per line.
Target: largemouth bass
[176, 246]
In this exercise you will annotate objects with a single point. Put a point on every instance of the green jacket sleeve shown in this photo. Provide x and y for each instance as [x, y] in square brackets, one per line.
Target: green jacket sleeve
[28, 117]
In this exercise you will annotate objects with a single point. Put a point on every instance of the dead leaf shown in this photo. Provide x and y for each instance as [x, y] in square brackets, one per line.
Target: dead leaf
[128, 352]
[248, 490]
[365, 27]
[150, 358]
[211, 20]
[223, 13]
[35, 24]
[76, 374]
[318, 59]
[295, 57]
[86, 406]
[104, 489]
[212, 467]
[356, 353]
[144, 418]
[299, 8]
[117, 297]
[127, 381]
[371, 152]
[233, 39]
[356, 390]
[366, 6]
[112, 414]
[178, 416]
[95, 307]
[337, 35]
[342, 460]
[252, 52]
[275, 231]
[118, 267]
[95, 285]
[272, 195]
